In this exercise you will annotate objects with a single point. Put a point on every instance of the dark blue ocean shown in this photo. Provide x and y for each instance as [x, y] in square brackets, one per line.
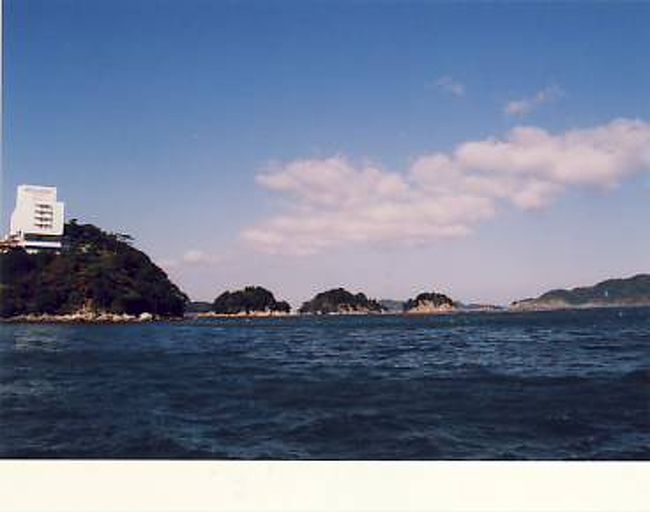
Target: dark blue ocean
[552, 385]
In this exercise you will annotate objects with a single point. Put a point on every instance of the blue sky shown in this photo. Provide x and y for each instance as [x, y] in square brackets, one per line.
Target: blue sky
[157, 117]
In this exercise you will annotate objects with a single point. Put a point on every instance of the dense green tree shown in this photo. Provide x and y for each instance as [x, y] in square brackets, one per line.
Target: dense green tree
[250, 299]
[95, 270]
[339, 300]
[435, 299]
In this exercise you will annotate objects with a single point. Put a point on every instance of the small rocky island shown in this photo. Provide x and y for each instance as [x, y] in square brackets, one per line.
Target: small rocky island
[251, 301]
[98, 276]
[429, 303]
[339, 301]
[632, 291]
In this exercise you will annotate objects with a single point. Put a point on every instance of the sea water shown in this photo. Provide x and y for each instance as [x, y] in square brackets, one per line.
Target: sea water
[548, 385]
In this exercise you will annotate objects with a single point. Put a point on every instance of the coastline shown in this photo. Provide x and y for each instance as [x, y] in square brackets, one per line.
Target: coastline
[572, 307]
[114, 318]
[252, 314]
[86, 318]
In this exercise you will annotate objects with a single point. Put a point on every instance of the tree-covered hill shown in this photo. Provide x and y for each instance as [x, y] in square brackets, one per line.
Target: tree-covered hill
[632, 291]
[429, 303]
[96, 272]
[340, 300]
[252, 299]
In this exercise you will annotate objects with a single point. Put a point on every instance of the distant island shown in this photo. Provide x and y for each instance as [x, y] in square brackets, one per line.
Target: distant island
[340, 301]
[633, 291]
[98, 276]
[251, 301]
[428, 303]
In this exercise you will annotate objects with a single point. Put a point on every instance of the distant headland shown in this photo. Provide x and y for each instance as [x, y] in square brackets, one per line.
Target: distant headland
[633, 291]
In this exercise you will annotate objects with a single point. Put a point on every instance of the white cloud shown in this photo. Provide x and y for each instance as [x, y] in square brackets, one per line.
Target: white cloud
[197, 257]
[450, 86]
[333, 202]
[525, 106]
[191, 257]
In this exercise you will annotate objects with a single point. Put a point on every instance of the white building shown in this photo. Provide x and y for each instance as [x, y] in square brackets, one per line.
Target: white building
[37, 221]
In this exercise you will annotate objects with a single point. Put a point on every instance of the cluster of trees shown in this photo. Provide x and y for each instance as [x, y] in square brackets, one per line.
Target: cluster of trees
[339, 300]
[96, 270]
[431, 298]
[250, 299]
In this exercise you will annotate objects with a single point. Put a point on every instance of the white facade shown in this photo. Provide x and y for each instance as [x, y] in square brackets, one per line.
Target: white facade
[37, 221]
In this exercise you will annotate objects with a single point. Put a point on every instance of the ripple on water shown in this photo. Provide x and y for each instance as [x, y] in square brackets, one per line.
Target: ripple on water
[559, 385]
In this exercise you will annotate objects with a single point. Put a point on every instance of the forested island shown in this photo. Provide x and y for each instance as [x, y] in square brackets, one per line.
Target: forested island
[633, 291]
[97, 276]
[431, 302]
[252, 300]
[340, 301]
[257, 301]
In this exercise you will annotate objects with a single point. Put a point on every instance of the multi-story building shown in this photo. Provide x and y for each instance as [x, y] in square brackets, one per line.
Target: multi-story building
[37, 221]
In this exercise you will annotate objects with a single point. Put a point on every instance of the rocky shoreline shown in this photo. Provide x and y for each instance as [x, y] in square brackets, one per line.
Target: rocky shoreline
[431, 309]
[243, 314]
[83, 318]
[112, 318]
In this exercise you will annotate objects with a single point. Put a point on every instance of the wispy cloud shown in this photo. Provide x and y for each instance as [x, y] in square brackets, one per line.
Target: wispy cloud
[450, 86]
[333, 202]
[198, 257]
[191, 257]
[526, 106]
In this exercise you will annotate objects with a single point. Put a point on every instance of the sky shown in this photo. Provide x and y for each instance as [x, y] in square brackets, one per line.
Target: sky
[491, 151]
